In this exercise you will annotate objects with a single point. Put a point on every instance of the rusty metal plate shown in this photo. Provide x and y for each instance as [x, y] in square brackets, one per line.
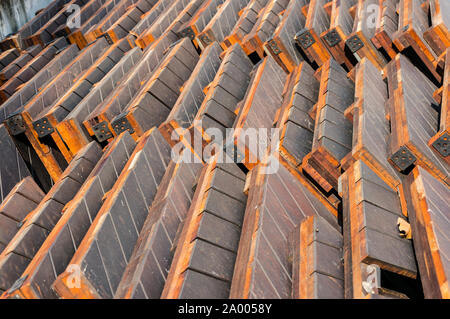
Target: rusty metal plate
[441, 144]
[305, 39]
[187, 33]
[403, 158]
[121, 125]
[354, 43]
[43, 127]
[332, 38]
[205, 39]
[273, 47]
[102, 132]
[15, 124]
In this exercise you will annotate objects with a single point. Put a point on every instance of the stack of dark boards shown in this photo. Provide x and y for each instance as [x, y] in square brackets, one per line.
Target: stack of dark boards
[226, 149]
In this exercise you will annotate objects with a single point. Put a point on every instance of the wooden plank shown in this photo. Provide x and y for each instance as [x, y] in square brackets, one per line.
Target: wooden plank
[118, 223]
[437, 35]
[280, 46]
[372, 211]
[149, 264]
[7, 57]
[220, 26]
[428, 204]
[414, 121]
[202, 251]
[360, 41]
[413, 22]
[28, 71]
[295, 124]
[439, 142]
[320, 271]
[153, 102]
[332, 139]
[37, 225]
[277, 203]
[308, 39]
[259, 107]
[59, 247]
[244, 25]
[341, 26]
[150, 16]
[190, 100]
[387, 26]
[18, 63]
[264, 28]
[21, 200]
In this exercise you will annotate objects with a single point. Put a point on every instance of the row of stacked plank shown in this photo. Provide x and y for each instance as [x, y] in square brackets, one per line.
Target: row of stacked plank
[226, 149]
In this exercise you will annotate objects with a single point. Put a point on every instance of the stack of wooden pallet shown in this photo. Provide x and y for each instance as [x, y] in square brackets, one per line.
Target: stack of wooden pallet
[226, 149]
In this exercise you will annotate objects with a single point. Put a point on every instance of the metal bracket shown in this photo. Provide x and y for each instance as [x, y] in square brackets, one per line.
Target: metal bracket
[304, 38]
[403, 158]
[102, 132]
[205, 39]
[333, 38]
[43, 127]
[371, 278]
[441, 144]
[107, 37]
[273, 46]
[121, 125]
[15, 124]
[354, 43]
[17, 284]
[188, 32]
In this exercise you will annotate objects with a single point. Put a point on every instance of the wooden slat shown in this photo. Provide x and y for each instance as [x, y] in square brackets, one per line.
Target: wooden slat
[387, 26]
[438, 36]
[16, 65]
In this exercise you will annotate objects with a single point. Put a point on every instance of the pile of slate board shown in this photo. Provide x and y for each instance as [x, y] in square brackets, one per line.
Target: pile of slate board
[348, 198]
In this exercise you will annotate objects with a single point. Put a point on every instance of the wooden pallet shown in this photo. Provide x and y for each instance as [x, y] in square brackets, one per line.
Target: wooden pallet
[59, 247]
[267, 84]
[38, 223]
[282, 200]
[332, 131]
[244, 25]
[192, 94]
[118, 223]
[267, 22]
[371, 211]
[317, 268]
[203, 262]
[155, 99]
[28, 71]
[341, 26]
[413, 22]
[439, 142]
[360, 41]
[223, 22]
[148, 267]
[280, 46]
[438, 35]
[387, 26]
[295, 124]
[308, 39]
[414, 121]
[428, 207]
